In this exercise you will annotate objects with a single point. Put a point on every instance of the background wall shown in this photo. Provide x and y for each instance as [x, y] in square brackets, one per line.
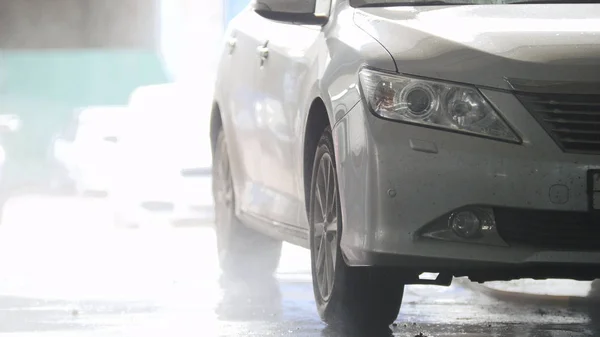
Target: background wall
[187, 33]
[40, 24]
[60, 55]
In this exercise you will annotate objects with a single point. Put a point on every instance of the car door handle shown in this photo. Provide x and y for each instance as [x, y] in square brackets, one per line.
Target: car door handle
[263, 53]
[231, 42]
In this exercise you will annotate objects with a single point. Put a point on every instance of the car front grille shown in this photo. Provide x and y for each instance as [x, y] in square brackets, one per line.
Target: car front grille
[556, 230]
[573, 121]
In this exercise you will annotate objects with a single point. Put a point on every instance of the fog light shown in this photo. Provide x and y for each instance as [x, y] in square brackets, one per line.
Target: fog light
[466, 224]
[473, 224]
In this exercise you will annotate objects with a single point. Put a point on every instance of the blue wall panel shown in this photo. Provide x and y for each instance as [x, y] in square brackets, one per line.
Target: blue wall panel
[232, 8]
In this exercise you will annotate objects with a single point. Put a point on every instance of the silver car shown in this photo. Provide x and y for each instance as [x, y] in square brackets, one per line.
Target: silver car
[396, 138]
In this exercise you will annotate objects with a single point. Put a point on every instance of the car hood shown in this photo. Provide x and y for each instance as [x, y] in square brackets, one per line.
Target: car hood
[537, 48]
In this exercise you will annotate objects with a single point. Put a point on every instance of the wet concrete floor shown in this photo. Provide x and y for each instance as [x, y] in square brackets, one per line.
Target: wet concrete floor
[65, 270]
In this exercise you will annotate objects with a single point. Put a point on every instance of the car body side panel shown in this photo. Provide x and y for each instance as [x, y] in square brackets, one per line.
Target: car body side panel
[344, 50]
[305, 63]
[237, 96]
[326, 66]
[348, 48]
[284, 81]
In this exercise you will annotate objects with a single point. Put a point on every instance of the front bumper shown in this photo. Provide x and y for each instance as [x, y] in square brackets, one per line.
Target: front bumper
[395, 179]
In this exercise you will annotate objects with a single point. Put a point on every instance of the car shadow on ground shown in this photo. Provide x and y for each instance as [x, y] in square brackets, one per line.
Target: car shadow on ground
[263, 299]
[347, 330]
[269, 300]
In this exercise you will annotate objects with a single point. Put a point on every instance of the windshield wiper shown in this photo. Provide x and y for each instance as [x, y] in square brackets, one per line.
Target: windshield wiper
[415, 3]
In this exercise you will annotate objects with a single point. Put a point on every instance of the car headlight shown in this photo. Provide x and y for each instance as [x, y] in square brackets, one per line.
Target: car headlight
[436, 104]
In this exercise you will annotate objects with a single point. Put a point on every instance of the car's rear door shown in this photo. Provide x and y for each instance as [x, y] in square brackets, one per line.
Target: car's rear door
[285, 72]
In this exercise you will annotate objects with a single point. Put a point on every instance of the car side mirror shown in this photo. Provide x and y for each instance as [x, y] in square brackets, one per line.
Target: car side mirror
[313, 12]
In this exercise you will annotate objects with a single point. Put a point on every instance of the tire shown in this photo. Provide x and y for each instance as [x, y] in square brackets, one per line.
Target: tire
[242, 251]
[365, 297]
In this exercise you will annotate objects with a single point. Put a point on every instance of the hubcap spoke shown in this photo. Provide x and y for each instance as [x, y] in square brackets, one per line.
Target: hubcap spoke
[320, 202]
[327, 175]
[323, 284]
[332, 226]
[321, 262]
[334, 201]
[321, 252]
[333, 249]
[325, 267]
[330, 189]
[325, 226]
[223, 194]
[330, 266]
[322, 189]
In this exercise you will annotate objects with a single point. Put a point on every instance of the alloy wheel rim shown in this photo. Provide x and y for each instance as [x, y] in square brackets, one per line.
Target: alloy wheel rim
[325, 224]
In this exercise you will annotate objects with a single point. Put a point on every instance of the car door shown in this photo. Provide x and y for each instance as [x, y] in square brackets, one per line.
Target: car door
[286, 68]
[240, 95]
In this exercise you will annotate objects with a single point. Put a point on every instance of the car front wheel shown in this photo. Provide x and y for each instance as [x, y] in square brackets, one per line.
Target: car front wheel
[361, 296]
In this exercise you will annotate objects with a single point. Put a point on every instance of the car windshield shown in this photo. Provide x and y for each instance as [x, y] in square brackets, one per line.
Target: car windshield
[386, 3]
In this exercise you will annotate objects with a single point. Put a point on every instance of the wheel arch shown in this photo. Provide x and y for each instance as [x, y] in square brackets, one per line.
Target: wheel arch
[316, 122]
[216, 123]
